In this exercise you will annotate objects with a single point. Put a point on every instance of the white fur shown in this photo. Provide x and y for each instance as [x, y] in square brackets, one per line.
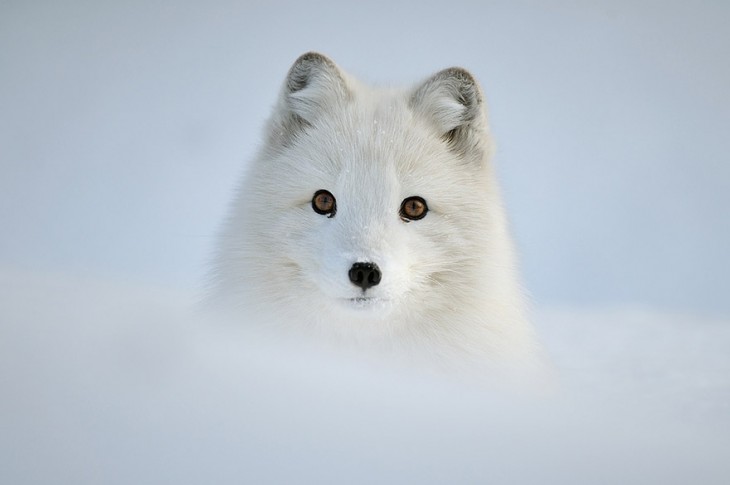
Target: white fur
[449, 286]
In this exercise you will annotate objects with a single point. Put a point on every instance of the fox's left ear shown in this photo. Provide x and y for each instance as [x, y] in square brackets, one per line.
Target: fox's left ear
[453, 102]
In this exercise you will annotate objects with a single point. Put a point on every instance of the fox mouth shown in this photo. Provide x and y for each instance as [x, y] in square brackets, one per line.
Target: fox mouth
[362, 299]
[364, 302]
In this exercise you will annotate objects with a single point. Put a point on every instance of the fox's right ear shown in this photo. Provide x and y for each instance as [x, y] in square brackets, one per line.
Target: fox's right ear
[313, 85]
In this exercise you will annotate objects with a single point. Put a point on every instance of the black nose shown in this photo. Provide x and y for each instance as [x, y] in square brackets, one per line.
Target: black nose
[365, 275]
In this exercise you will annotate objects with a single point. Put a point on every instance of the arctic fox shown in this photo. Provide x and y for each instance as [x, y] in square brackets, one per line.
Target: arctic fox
[373, 215]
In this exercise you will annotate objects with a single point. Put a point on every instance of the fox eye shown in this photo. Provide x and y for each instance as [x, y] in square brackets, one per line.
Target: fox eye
[324, 203]
[413, 208]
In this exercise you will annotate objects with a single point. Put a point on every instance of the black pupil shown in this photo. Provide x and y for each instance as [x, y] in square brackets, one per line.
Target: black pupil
[413, 209]
[325, 202]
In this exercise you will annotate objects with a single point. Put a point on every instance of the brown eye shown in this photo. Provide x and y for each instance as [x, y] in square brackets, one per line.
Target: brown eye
[324, 203]
[413, 208]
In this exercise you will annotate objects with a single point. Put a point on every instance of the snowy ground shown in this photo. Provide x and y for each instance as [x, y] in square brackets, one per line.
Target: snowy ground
[107, 384]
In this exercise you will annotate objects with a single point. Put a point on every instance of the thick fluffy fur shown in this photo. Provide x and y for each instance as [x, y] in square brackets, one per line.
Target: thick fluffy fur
[449, 286]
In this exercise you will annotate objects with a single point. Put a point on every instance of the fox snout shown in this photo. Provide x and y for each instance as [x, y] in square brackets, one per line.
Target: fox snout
[365, 275]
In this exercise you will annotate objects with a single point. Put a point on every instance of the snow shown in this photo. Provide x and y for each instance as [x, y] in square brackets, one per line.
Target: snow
[123, 128]
[105, 383]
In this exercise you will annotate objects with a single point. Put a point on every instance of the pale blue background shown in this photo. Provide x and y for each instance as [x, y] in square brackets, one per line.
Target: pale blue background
[124, 126]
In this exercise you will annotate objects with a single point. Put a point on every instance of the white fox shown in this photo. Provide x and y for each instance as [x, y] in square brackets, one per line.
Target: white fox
[373, 215]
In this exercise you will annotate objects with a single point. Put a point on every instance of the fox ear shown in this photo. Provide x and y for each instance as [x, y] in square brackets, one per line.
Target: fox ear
[452, 100]
[313, 84]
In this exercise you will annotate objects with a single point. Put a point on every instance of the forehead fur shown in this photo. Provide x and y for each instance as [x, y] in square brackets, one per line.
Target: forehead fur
[374, 133]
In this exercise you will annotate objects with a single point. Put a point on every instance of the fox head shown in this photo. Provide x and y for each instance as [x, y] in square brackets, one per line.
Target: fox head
[369, 207]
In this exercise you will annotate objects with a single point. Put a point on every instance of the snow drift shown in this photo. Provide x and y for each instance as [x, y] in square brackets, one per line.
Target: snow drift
[107, 384]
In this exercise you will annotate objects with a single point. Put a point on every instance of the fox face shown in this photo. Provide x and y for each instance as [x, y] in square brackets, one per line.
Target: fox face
[370, 208]
[367, 205]
[361, 228]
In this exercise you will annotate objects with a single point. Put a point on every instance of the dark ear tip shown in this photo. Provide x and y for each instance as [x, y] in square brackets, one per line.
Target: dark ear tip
[311, 56]
[465, 83]
[458, 73]
[301, 69]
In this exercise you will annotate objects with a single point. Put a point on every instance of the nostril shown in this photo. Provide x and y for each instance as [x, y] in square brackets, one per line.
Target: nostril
[365, 275]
